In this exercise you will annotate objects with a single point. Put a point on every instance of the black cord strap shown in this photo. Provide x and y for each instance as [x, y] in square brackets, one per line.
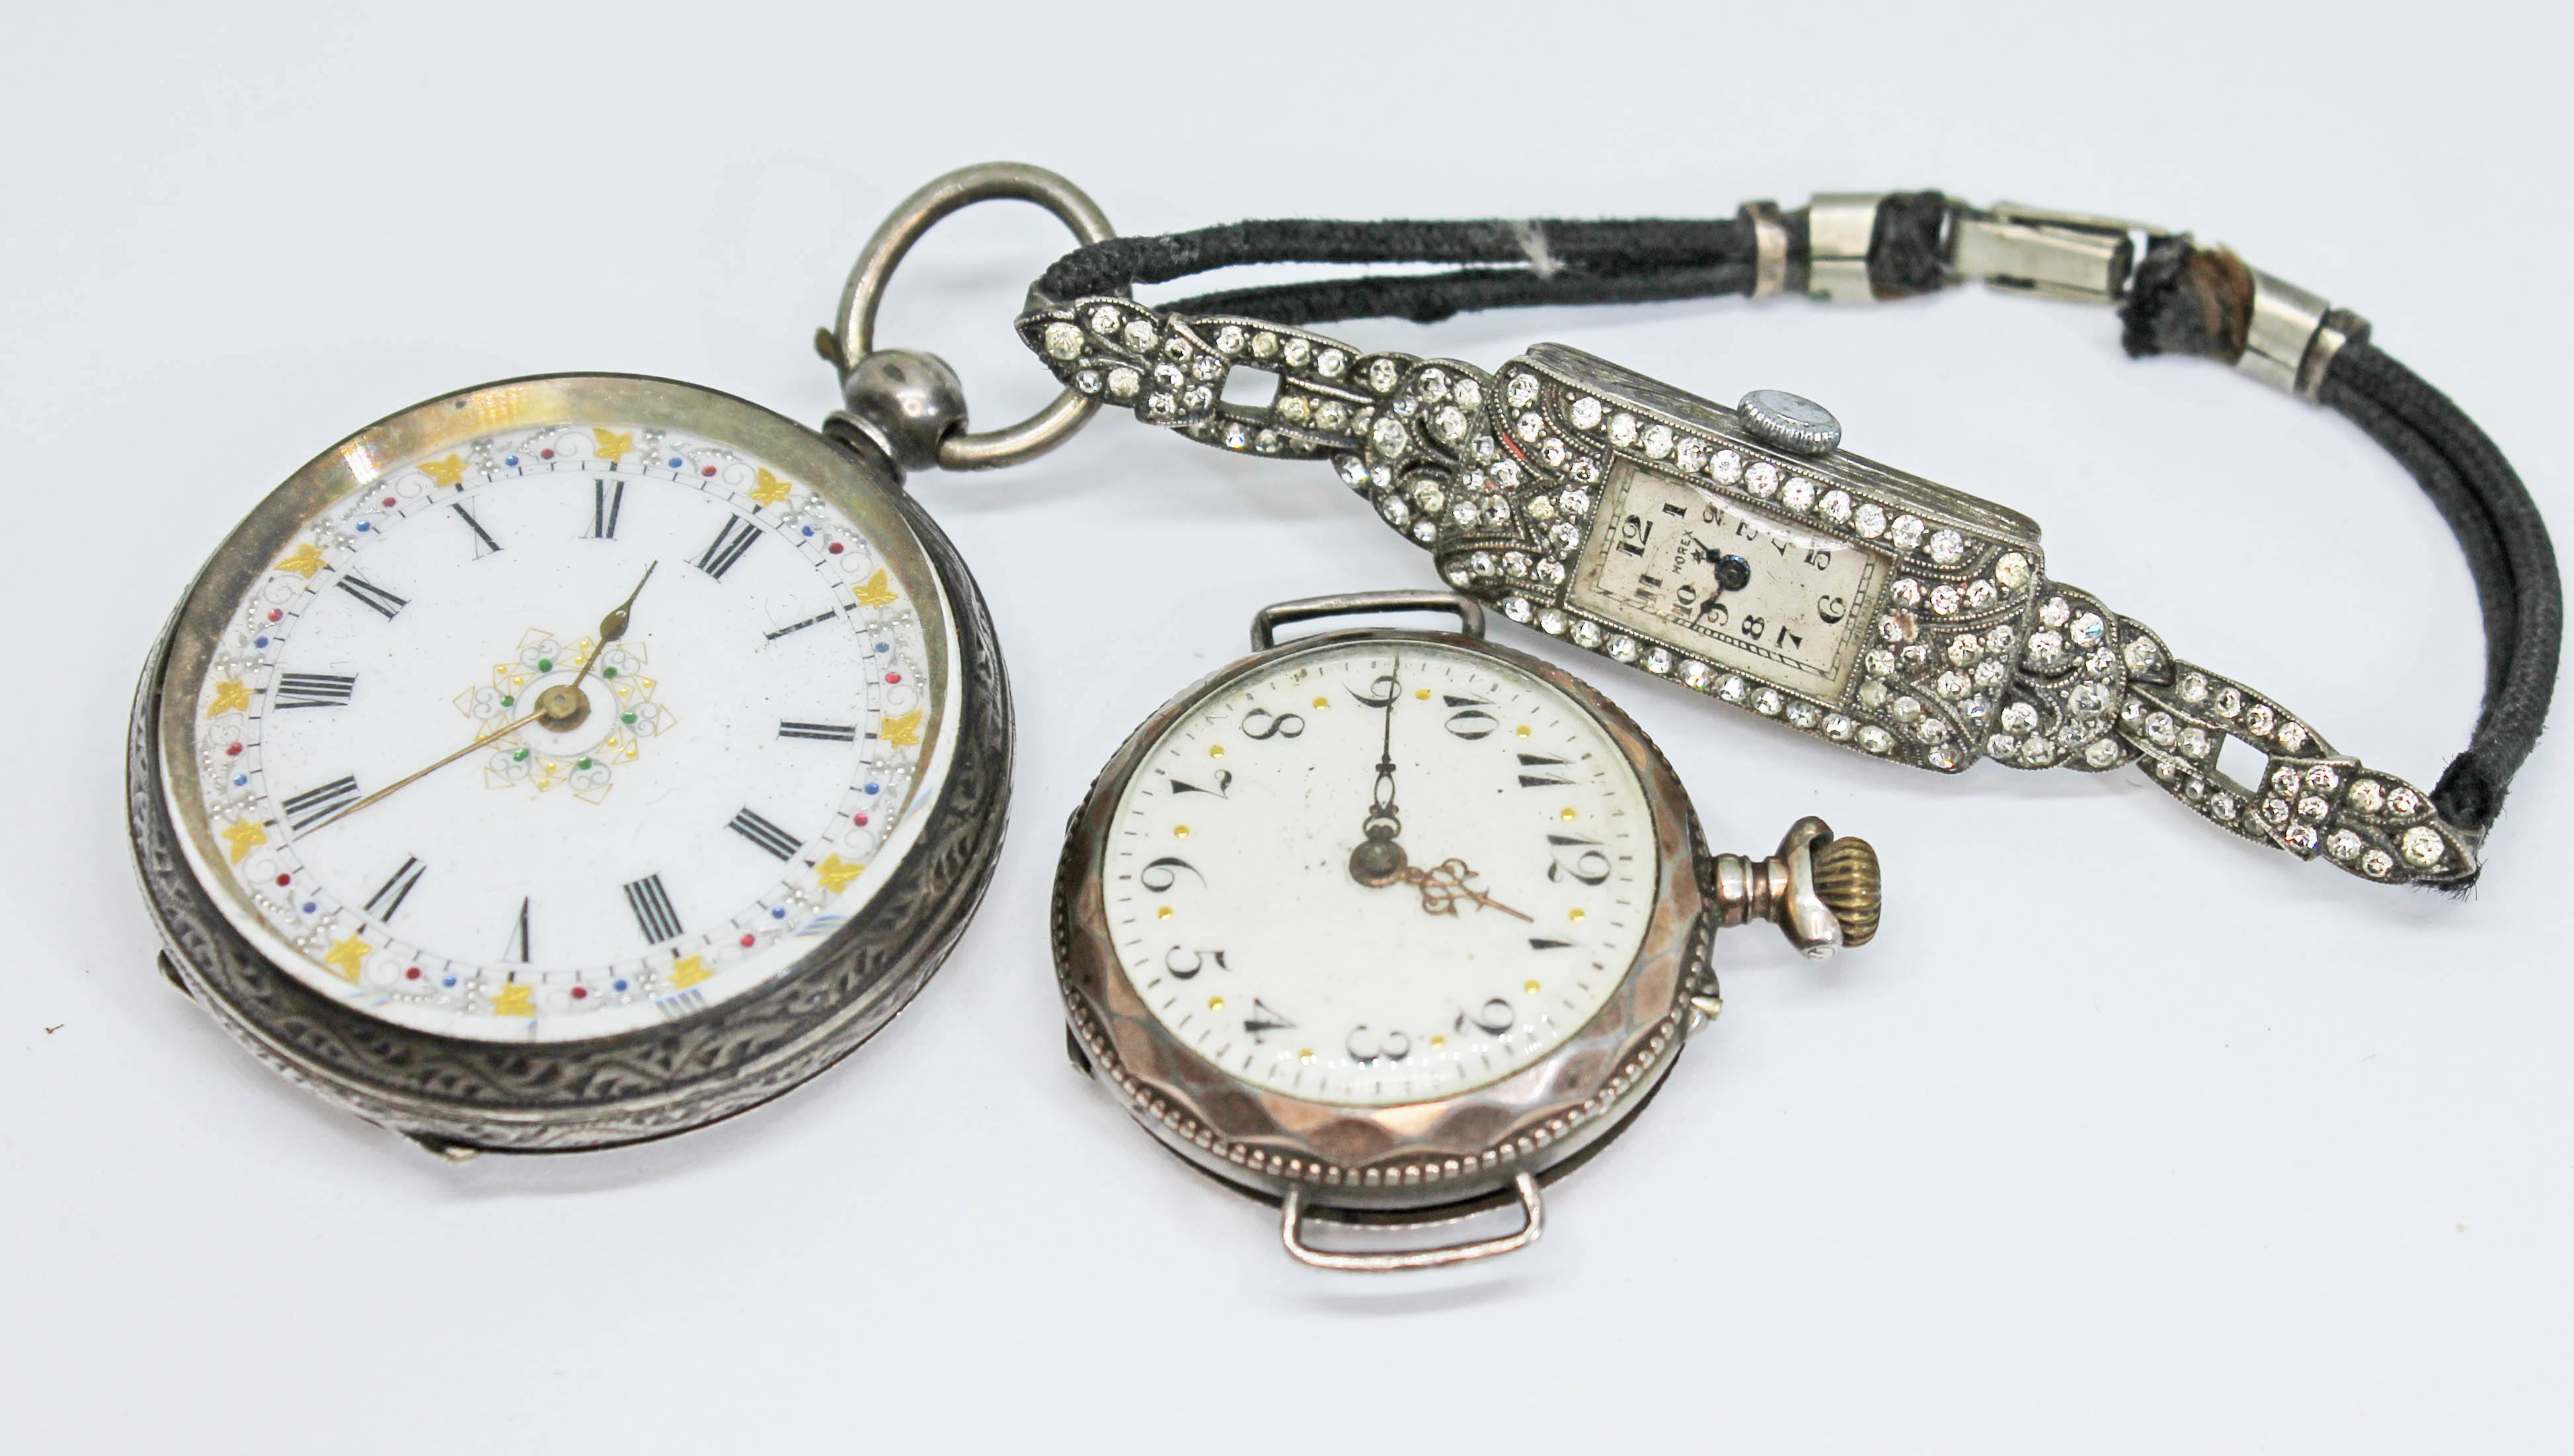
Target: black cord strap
[2178, 299]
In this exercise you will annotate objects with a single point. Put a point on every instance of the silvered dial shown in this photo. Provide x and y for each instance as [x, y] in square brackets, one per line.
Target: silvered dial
[558, 732]
[1379, 871]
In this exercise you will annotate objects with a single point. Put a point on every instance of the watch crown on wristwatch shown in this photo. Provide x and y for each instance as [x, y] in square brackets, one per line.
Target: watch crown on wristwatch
[1823, 893]
[1791, 422]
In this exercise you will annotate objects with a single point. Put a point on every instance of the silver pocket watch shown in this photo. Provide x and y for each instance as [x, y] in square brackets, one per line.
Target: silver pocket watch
[1395, 926]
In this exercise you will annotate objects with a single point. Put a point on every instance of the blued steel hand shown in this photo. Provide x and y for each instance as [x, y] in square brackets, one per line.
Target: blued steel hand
[611, 627]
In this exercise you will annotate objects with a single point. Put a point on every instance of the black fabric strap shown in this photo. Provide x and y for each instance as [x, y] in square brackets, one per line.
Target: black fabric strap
[2182, 299]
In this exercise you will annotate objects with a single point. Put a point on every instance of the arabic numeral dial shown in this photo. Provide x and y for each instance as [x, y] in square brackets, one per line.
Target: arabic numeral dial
[1256, 936]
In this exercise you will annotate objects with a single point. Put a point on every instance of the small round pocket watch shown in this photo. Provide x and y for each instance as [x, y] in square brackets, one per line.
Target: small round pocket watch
[1395, 926]
[568, 761]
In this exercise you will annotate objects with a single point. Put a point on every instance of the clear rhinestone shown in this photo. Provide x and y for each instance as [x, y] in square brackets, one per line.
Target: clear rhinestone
[1331, 415]
[2020, 717]
[2368, 796]
[1429, 384]
[2322, 777]
[2142, 655]
[1574, 502]
[1694, 672]
[1732, 689]
[2404, 802]
[1551, 621]
[1229, 339]
[1529, 425]
[1425, 530]
[1296, 351]
[1942, 758]
[1981, 593]
[1835, 505]
[1768, 703]
[1551, 573]
[1462, 512]
[1881, 661]
[1726, 466]
[1264, 346]
[1519, 390]
[1803, 714]
[1657, 441]
[2193, 687]
[1160, 405]
[1965, 650]
[1331, 362]
[2088, 699]
[1990, 673]
[1869, 520]
[1999, 638]
[1586, 413]
[2045, 649]
[1062, 340]
[1124, 381]
[1515, 564]
[1541, 508]
[2160, 730]
[1762, 479]
[2102, 753]
[1659, 660]
[2056, 612]
[2038, 753]
[2423, 846]
[1947, 548]
[1932, 729]
[2011, 570]
[1797, 494]
[2314, 806]
[1449, 424]
[1393, 510]
[1553, 452]
[1517, 608]
[1482, 564]
[1897, 627]
[1139, 334]
[1692, 456]
[2001, 746]
[1876, 740]
[2088, 629]
[2275, 810]
[2225, 806]
[1198, 398]
[1467, 394]
[1237, 435]
[2292, 735]
[1837, 727]
[1872, 693]
[1506, 471]
[2284, 780]
[2300, 837]
[1382, 375]
[2229, 702]
[1103, 322]
[1907, 710]
[1623, 649]
[1088, 381]
[1205, 367]
[1906, 592]
[2378, 863]
[2196, 743]
[1168, 376]
[1586, 633]
[2101, 664]
[2259, 719]
[1622, 429]
[1907, 530]
[1294, 408]
[1945, 600]
[1354, 471]
[1429, 497]
[1953, 684]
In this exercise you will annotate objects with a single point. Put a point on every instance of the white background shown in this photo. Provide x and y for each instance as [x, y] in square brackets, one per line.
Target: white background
[2124, 1136]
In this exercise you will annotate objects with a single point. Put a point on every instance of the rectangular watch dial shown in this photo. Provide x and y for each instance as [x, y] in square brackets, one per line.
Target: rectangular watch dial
[1716, 579]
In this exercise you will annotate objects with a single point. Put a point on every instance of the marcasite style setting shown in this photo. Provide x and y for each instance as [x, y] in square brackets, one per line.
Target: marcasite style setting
[1743, 553]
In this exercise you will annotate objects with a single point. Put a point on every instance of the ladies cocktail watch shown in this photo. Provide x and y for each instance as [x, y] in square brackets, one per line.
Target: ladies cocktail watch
[1742, 552]
[573, 760]
[1388, 925]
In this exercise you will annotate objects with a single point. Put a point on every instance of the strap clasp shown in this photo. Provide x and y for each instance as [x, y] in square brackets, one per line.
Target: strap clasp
[2060, 254]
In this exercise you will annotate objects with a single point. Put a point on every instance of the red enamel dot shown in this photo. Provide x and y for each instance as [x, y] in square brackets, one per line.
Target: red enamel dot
[233, 751]
[412, 975]
[389, 500]
[836, 548]
[285, 879]
[749, 939]
[893, 677]
[710, 469]
[859, 820]
[275, 615]
[580, 993]
[545, 455]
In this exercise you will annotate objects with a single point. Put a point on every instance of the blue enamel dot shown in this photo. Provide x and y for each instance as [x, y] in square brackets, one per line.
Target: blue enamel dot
[310, 907]
[875, 788]
[451, 981]
[259, 642]
[621, 986]
[511, 459]
[777, 912]
[240, 778]
[362, 526]
[885, 646]
[675, 463]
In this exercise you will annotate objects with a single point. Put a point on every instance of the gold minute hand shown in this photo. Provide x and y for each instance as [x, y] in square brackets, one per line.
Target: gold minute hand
[495, 736]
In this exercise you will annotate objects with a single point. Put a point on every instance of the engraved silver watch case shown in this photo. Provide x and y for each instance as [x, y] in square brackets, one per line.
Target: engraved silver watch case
[458, 1096]
[1426, 1164]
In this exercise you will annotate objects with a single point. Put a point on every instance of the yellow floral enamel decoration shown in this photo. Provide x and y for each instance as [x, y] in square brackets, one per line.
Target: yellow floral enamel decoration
[902, 730]
[513, 1001]
[347, 956]
[613, 444]
[304, 561]
[231, 696]
[768, 490]
[446, 472]
[241, 839]
[687, 970]
[873, 591]
[836, 872]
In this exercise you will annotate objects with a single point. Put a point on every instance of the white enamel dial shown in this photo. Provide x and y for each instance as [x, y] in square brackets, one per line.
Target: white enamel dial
[691, 819]
[1527, 882]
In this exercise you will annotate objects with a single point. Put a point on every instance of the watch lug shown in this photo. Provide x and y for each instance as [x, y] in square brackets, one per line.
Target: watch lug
[1079, 1058]
[170, 973]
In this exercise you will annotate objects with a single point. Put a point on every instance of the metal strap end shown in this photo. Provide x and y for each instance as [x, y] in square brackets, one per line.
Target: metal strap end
[1769, 247]
[1839, 228]
[2292, 336]
[2032, 250]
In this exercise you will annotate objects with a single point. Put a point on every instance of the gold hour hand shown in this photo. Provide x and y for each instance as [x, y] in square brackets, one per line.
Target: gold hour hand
[1440, 888]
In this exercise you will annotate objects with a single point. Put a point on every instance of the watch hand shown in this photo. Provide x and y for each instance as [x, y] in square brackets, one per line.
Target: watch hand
[565, 706]
[1379, 860]
[551, 709]
[1443, 887]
